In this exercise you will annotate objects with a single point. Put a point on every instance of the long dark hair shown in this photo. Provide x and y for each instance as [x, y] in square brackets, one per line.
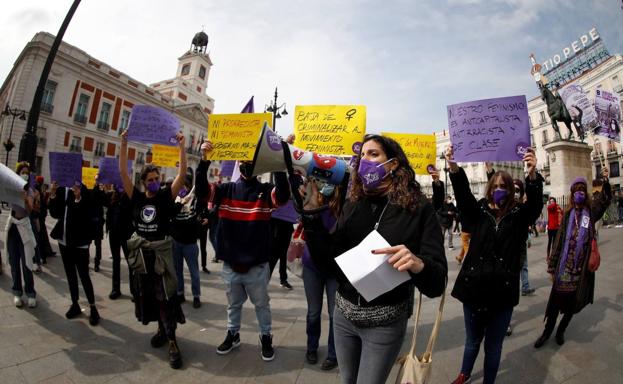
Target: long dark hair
[404, 190]
[510, 188]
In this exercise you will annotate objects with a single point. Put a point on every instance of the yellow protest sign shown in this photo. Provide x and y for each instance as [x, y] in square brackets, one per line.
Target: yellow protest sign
[88, 176]
[235, 136]
[421, 150]
[165, 156]
[330, 129]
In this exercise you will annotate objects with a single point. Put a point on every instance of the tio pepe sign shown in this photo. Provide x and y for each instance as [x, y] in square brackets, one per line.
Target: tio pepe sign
[573, 48]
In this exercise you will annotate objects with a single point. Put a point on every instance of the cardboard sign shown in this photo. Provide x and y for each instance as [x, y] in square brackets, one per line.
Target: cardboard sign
[608, 109]
[330, 129]
[490, 130]
[108, 172]
[579, 105]
[421, 150]
[65, 168]
[166, 156]
[88, 176]
[11, 186]
[235, 136]
[152, 125]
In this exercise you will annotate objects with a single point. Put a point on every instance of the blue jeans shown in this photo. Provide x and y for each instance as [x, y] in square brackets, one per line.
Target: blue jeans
[492, 327]
[190, 253]
[367, 355]
[315, 285]
[253, 284]
[525, 282]
[17, 260]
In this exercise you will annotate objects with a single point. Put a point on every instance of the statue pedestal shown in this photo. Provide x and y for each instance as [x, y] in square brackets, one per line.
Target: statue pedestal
[568, 160]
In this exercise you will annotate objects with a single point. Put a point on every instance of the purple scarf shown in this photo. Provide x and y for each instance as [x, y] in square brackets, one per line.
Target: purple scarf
[573, 253]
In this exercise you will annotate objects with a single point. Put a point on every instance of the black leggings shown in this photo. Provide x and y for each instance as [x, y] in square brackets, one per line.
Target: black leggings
[551, 236]
[76, 263]
[281, 235]
[116, 245]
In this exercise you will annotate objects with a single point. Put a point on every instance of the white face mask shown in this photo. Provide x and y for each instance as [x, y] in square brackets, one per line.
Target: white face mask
[517, 195]
[24, 176]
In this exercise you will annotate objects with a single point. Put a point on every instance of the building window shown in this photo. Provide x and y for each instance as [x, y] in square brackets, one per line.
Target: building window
[202, 72]
[185, 69]
[543, 118]
[76, 144]
[532, 142]
[140, 158]
[47, 103]
[614, 169]
[81, 111]
[545, 138]
[125, 120]
[99, 149]
[104, 117]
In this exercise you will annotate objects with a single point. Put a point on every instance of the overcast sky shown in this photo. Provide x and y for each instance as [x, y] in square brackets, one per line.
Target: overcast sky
[404, 60]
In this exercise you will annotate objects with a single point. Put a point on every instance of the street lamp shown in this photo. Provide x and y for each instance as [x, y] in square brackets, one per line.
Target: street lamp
[277, 111]
[8, 144]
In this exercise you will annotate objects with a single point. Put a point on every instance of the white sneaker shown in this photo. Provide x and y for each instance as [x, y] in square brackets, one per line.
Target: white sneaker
[17, 300]
[32, 302]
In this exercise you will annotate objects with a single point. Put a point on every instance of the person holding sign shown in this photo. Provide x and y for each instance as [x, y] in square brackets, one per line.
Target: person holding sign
[72, 207]
[488, 282]
[243, 244]
[21, 242]
[150, 249]
[384, 198]
[573, 279]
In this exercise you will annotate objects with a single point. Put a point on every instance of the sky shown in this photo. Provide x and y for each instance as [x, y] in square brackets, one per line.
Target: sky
[404, 60]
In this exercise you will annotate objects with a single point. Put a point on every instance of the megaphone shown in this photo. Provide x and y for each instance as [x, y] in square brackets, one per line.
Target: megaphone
[270, 152]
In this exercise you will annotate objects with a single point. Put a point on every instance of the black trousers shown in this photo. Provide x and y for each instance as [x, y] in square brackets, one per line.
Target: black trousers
[76, 263]
[559, 303]
[118, 243]
[281, 236]
[203, 243]
[551, 236]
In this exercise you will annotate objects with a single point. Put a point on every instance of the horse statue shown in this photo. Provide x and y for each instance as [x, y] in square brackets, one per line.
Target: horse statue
[557, 111]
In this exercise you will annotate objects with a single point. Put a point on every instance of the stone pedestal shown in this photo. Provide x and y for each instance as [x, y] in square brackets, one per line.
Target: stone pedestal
[568, 160]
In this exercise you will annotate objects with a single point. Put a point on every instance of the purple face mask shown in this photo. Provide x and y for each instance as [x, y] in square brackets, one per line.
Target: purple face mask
[579, 197]
[153, 187]
[372, 173]
[499, 196]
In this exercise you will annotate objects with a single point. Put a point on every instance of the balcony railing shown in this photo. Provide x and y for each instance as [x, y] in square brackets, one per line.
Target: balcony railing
[47, 107]
[103, 126]
[80, 119]
[75, 148]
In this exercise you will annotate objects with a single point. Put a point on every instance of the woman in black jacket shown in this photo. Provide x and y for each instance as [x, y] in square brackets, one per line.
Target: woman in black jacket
[488, 283]
[385, 197]
[120, 228]
[73, 231]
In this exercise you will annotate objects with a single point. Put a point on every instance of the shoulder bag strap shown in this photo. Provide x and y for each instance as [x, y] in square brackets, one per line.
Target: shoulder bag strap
[415, 326]
[433, 337]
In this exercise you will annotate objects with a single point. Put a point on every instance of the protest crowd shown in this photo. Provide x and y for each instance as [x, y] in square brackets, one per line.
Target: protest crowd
[319, 226]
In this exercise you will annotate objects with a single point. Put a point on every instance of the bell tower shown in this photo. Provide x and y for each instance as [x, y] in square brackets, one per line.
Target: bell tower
[194, 66]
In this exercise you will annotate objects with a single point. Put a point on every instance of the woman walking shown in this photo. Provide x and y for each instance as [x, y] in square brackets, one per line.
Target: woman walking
[573, 285]
[21, 242]
[150, 250]
[384, 197]
[488, 282]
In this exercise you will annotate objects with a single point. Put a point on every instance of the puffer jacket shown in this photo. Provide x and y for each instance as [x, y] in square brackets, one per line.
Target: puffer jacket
[489, 276]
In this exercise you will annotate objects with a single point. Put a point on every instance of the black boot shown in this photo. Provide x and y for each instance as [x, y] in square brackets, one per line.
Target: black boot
[175, 357]
[158, 339]
[542, 339]
[562, 327]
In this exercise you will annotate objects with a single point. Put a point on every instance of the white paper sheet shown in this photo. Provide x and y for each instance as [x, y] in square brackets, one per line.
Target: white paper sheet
[370, 274]
[11, 186]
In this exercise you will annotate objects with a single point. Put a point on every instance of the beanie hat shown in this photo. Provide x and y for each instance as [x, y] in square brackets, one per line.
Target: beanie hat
[578, 180]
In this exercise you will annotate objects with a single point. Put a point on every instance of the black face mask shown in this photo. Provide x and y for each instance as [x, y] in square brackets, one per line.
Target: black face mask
[246, 170]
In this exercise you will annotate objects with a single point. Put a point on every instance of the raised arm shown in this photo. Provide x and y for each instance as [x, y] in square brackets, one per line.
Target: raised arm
[438, 191]
[178, 183]
[601, 204]
[128, 186]
[534, 189]
[465, 201]
[202, 188]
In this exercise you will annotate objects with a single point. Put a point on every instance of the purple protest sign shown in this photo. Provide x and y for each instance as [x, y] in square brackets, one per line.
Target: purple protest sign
[227, 168]
[66, 168]
[152, 125]
[490, 130]
[286, 213]
[109, 171]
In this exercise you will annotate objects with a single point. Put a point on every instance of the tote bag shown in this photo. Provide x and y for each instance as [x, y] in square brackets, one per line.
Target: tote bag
[418, 369]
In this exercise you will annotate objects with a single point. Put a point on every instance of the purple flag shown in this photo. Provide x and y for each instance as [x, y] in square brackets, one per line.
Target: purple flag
[228, 167]
[66, 168]
[152, 125]
[490, 130]
[109, 171]
[286, 213]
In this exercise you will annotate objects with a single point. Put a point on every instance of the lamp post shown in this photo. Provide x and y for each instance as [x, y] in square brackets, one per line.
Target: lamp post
[8, 144]
[28, 145]
[277, 111]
